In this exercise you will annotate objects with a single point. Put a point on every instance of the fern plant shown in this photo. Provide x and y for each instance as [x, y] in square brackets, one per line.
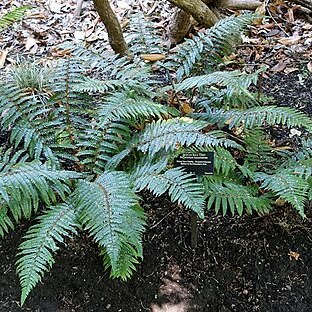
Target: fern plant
[13, 16]
[81, 147]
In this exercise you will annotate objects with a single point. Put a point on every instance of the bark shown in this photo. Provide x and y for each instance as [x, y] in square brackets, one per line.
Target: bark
[199, 10]
[238, 4]
[179, 26]
[109, 18]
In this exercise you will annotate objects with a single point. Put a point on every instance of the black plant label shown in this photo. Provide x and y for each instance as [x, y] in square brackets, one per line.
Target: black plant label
[197, 163]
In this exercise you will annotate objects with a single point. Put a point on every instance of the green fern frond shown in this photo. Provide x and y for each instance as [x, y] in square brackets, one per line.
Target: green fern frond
[224, 88]
[33, 122]
[234, 80]
[208, 49]
[270, 116]
[142, 37]
[234, 197]
[11, 157]
[23, 186]
[224, 162]
[289, 187]
[40, 243]
[303, 169]
[127, 262]
[132, 250]
[174, 133]
[13, 16]
[302, 155]
[122, 83]
[95, 58]
[256, 117]
[145, 169]
[128, 105]
[114, 72]
[115, 160]
[259, 153]
[108, 212]
[98, 146]
[182, 187]
[5, 221]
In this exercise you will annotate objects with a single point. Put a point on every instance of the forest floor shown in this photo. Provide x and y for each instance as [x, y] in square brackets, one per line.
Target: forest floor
[241, 264]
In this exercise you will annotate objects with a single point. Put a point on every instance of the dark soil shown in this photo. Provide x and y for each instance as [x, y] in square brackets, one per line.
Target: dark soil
[292, 90]
[240, 264]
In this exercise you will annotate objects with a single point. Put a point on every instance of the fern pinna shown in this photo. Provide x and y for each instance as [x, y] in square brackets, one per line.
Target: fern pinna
[80, 148]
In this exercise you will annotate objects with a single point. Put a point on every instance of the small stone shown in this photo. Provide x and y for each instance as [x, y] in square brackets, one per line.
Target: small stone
[245, 292]
[294, 132]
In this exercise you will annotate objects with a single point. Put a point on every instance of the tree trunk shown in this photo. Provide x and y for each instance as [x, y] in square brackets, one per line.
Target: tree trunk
[198, 9]
[109, 18]
[206, 13]
[179, 26]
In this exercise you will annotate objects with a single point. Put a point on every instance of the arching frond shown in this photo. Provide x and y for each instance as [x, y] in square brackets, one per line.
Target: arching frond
[182, 187]
[270, 116]
[128, 105]
[142, 36]
[100, 144]
[41, 242]
[23, 186]
[109, 214]
[257, 116]
[173, 133]
[289, 187]
[234, 197]
[207, 49]
[13, 16]
[224, 162]
[5, 221]
[228, 89]
[259, 153]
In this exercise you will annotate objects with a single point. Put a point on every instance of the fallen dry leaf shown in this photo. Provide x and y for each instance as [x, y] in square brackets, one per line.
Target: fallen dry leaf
[3, 55]
[31, 45]
[307, 27]
[289, 70]
[38, 15]
[289, 40]
[280, 202]
[153, 57]
[186, 108]
[293, 255]
[260, 10]
[79, 35]
[280, 66]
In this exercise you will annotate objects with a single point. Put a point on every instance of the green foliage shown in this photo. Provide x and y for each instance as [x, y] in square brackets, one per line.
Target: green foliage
[142, 36]
[85, 139]
[109, 214]
[205, 52]
[13, 16]
[36, 252]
